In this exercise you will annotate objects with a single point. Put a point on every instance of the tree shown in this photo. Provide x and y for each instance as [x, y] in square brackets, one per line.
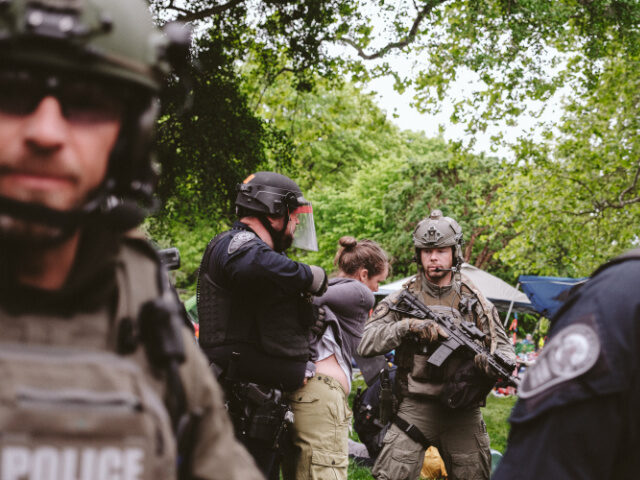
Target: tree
[388, 196]
[519, 50]
[334, 131]
[574, 198]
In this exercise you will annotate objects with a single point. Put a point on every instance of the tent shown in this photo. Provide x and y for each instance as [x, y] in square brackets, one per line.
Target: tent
[499, 292]
[547, 294]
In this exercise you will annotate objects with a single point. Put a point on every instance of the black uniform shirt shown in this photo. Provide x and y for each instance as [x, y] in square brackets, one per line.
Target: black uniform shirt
[247, 263]
[269, 315]
[578, 415]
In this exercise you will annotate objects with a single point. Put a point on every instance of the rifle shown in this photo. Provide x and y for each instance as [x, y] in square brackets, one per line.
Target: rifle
[460, 337]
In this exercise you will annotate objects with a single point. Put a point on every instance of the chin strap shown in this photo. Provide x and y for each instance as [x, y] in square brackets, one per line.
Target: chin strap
[118, 214]
[30, 212]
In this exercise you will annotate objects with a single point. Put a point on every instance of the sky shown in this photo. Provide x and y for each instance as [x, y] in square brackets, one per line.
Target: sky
[399, 111]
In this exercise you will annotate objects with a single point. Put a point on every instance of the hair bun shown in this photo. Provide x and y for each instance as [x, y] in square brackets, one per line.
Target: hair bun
[348, 242]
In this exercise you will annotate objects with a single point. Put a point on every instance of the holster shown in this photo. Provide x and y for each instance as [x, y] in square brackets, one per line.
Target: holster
[258, 412]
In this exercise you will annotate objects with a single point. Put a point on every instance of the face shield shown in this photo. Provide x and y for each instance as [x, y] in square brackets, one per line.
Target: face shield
[304, 236]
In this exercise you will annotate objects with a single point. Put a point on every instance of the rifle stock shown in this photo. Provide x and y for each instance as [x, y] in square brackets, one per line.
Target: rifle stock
[461, 337]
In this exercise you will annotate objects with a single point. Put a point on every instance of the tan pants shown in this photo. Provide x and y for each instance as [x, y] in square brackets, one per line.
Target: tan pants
[459, 435]
[320, 432]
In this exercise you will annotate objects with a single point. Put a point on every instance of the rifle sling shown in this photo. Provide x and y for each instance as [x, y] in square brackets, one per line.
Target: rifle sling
[412, 431]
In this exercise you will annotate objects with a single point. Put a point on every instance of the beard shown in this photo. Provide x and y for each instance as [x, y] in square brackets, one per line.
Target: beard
[432, 275]
[282, 242]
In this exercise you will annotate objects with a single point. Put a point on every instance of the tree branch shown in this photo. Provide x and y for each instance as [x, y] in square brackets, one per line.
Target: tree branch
[189, 16]
[632, 186]
[426, 10]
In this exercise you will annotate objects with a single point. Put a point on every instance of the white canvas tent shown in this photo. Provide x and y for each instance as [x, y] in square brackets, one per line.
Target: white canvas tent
[499, 292]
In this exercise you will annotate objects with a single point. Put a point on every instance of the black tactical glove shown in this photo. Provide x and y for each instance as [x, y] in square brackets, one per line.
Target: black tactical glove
[319, 321]
[481, 362]
[320, 282]
[427, 330]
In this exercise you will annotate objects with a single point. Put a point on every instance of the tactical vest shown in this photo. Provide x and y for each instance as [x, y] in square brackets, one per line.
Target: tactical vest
[73, 408]
[213, 301]
[419, 378]
[279, 329]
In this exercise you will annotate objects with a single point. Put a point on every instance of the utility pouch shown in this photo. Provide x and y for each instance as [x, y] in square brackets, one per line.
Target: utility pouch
[466, 388]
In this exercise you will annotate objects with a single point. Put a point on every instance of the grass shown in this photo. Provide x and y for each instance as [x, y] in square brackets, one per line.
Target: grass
[495, 416]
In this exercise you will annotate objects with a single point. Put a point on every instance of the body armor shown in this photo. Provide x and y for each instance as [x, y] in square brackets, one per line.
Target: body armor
[275, 326]
[419, 378]
[71, 404]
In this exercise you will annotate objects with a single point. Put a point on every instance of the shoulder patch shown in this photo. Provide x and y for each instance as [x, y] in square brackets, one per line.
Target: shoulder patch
[381, 310]
[238, 240]
[572, 352]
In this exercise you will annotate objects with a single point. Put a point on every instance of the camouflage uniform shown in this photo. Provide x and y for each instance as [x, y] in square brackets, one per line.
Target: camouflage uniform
[101, 377]
[459, 434]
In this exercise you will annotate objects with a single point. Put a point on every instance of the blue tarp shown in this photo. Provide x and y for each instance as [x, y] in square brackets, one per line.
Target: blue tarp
[544, 291]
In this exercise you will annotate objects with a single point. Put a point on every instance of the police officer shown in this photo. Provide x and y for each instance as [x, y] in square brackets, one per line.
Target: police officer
[438, 405]
[577, 414]
[101, 379]
[254, 308]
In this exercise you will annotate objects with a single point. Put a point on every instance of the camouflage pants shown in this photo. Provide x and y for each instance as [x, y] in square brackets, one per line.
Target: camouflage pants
[460, 436]
[320, 432]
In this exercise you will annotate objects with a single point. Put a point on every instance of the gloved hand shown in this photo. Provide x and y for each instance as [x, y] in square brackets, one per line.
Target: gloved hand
[427, 330]
[481, 362]
[319, 283]
[319, 321]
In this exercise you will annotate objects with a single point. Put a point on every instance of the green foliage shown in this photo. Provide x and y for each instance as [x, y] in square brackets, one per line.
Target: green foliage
[334, 129]
[388, 196]
[573, 199]
[207, 149]
[518, 50]
[272, 93]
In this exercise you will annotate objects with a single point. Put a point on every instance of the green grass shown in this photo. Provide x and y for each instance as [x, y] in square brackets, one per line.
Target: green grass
[495, 416]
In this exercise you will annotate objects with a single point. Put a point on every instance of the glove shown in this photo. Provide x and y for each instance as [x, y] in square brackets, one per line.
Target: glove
[319, 283]
[427, 330]
[481, 362]
[319, 322]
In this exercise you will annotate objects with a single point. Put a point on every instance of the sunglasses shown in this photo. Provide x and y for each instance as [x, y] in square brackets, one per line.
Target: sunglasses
[82, 100]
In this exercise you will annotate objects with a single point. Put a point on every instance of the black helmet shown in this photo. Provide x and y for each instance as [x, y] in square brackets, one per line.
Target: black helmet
[271, 194]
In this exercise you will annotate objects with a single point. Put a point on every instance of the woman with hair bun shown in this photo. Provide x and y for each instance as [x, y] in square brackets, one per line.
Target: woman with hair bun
[322, 416]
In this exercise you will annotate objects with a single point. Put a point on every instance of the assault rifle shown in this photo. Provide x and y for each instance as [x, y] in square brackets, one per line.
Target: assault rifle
[460, 337]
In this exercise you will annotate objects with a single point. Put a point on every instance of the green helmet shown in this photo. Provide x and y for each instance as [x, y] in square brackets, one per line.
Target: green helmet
[113, 41]
[438, 231]
[110, 38]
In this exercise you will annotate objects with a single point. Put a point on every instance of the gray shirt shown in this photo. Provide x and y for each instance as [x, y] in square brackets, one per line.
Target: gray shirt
[349, 303]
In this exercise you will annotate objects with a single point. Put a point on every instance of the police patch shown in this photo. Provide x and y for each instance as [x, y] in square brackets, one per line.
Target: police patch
[381, 310]
[238, 240]
[572, 352]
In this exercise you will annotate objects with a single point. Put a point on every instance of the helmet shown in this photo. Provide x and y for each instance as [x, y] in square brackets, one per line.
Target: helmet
[271, 194]
[438, 231]
[112, 41]
[109, 38]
